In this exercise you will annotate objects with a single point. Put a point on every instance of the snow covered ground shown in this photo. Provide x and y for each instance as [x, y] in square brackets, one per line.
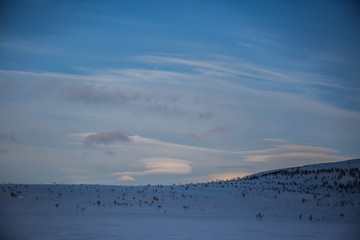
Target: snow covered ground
[312, 202]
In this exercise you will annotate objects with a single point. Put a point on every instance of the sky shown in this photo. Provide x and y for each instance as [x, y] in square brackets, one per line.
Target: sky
[163, 92]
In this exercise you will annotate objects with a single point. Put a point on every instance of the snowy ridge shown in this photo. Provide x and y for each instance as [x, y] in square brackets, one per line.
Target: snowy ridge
[325, 178]
[315, 199]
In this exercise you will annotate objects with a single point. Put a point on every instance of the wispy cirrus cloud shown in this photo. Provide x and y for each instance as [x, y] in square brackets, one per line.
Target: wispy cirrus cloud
[249, 73]
[216, 68]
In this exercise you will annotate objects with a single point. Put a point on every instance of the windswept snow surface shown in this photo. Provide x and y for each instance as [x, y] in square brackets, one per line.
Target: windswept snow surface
[312, 202]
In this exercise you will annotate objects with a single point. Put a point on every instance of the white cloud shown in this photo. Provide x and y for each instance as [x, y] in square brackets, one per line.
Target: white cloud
[288, 148]
[126, 178]
[283, 156]
[166, 165]
[291, 156]
[159, 165]
[182, 147]
[216, 68]
[252, 111]
[139, 141]
[278, 153]
[278, 156]
[306, 148]
[225, 67]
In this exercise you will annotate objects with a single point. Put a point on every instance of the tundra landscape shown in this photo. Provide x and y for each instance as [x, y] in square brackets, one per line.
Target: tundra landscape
[320, 201]
[181, 119]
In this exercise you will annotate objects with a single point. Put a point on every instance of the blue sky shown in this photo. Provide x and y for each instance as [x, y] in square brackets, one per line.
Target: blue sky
[137, 92]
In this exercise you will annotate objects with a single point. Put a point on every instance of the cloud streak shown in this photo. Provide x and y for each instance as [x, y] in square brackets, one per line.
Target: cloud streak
[289, 148]
[170, 157]
[248, 155]
[230, 67]
[142, 99]
[282, 155]
[106, 138]
[204, 136]
[291, 156]
[99, 94]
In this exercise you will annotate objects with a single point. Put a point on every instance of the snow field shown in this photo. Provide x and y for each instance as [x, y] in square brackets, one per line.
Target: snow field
[322, 202]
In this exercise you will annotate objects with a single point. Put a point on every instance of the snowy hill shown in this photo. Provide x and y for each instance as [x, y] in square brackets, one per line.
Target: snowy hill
[319, 201]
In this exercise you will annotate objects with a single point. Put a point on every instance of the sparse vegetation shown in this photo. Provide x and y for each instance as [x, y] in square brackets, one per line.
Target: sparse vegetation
[259, 216]
[324, 188]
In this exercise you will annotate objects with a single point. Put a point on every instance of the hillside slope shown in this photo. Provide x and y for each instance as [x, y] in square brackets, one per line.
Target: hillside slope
[319, 201]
